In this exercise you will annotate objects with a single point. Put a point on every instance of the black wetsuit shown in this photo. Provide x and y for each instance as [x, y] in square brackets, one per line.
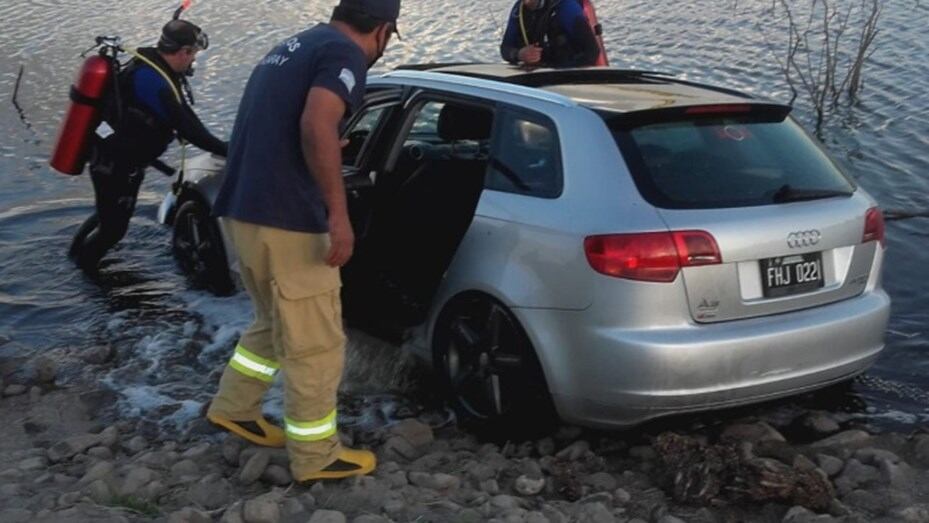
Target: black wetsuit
[145, 123]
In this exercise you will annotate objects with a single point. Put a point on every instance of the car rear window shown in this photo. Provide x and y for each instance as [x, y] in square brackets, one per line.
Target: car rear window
[719, 161]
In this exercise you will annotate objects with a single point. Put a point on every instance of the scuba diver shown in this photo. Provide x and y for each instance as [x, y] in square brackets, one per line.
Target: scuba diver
[554, 33]
[148, 106]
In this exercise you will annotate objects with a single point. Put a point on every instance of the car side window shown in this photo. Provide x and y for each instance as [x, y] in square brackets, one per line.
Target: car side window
[525, 157]
[360, 132]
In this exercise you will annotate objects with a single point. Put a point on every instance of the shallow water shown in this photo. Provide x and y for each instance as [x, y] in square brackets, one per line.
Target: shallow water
[173, 341]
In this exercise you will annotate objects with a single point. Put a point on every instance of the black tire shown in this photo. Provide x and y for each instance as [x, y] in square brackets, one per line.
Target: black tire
[198, 249]
[489, 370]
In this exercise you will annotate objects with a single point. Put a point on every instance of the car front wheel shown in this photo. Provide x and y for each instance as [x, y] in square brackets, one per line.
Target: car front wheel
[198, 248]
[489, 369]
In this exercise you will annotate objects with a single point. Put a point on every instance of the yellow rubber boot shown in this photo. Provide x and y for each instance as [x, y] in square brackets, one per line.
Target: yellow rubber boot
[349, 463]
[259, 431]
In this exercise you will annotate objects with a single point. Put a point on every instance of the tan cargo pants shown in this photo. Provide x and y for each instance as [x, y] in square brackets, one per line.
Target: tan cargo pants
[297, 330]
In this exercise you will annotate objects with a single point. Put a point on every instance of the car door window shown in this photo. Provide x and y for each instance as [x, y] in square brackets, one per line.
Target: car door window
[360, 132]
[525, 158]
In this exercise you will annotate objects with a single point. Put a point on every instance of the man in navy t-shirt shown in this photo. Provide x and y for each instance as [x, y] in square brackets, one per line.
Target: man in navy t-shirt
[284, 207]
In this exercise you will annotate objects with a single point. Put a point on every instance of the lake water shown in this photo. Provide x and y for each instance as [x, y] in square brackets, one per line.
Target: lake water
[173, 341]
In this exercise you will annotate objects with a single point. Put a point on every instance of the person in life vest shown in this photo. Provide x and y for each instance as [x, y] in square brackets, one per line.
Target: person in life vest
[554, 33]
[150, 107]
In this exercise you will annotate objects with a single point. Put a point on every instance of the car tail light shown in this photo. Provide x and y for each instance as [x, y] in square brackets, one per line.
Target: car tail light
[651, 256]
[873, 226]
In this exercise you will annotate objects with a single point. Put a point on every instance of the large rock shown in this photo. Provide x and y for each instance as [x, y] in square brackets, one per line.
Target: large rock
[263, 509]
[254, 467]
[417, 433]
[72, 446]
[848, 438]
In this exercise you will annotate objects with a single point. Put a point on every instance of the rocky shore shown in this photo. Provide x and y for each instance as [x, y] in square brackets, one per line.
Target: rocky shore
[59, 463]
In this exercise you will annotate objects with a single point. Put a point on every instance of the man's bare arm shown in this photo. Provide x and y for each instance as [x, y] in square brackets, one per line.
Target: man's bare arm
[319, 137]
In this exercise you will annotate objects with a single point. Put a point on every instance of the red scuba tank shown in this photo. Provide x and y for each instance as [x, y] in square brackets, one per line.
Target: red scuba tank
[591, 14]
[83, 115]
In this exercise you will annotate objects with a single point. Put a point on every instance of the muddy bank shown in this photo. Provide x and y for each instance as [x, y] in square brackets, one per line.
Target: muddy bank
[58, 462]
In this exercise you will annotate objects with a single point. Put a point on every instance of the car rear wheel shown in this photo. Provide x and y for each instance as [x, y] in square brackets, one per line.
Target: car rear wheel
[198, 248]
[489, 369]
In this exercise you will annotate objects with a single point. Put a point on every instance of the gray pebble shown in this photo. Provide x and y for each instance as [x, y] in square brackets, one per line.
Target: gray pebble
[277, 475]
[600, 481]
[254, 467]
[15, 515]
[574, 451]
[263, 509]
[99, 491]
[100, 470]
[327, 516]
[196, 452]
[189, 515]
[829, 464]
[14, 390]
[103, 453]
[135, 445]
[186, 468]
[33, 463]
[527, 486]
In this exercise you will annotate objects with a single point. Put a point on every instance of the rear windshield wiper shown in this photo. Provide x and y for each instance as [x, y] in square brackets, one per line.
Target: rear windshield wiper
[790, 194]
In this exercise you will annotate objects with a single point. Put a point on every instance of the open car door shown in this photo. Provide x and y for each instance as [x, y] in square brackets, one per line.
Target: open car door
[428, 176]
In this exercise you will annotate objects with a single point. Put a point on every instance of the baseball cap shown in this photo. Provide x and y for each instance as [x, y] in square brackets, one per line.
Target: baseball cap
[180, 33]
[386, 10]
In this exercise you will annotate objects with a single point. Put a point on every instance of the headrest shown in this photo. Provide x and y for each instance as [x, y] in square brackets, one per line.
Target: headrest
[463, 122]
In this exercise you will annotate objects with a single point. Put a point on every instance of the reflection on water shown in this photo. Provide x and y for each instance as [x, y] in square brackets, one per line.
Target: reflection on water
[172, 341]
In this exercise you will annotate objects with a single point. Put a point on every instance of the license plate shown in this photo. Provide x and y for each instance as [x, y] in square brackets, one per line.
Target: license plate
[794, 274]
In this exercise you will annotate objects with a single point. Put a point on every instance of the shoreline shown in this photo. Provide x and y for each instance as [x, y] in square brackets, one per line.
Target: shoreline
[59, 462]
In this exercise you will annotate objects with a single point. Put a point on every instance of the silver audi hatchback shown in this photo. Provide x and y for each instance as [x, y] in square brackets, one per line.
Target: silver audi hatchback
[607, 246]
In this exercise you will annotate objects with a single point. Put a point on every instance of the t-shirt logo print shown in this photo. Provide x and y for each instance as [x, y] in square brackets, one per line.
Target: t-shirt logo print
[292, 45]
[348, 78]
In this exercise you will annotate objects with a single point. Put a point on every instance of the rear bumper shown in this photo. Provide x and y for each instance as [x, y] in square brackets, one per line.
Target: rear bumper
[618, 376]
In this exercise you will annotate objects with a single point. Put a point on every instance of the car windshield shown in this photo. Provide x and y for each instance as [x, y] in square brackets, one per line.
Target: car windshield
[721, 161]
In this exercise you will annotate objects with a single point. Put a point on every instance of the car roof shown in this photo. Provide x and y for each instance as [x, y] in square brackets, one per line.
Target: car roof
[600, 88]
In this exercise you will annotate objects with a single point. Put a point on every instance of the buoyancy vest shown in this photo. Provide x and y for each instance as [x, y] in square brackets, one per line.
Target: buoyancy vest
[140, 135]
[542, 27]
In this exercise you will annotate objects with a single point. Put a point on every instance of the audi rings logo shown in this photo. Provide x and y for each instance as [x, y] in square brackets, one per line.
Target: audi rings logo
[798, 239]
